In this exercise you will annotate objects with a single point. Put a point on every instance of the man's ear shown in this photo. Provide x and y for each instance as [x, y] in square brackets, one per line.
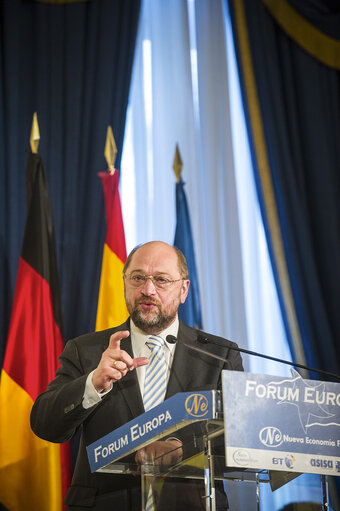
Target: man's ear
[184, 290]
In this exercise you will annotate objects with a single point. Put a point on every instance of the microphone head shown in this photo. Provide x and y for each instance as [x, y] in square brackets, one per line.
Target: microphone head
[171, 339]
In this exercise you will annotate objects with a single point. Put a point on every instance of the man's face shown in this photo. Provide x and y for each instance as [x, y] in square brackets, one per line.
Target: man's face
[152, 309]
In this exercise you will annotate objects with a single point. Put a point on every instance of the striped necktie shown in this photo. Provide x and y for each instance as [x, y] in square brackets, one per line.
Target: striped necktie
[155, 374]
[154, 392]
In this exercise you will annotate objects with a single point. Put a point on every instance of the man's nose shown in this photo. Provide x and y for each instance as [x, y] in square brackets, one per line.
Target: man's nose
[149, 286]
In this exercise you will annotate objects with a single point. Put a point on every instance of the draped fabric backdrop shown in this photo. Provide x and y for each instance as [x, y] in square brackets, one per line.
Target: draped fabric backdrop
[71, 64]
[182, 47]
[184, 91]
[165, 111]
[289, 60]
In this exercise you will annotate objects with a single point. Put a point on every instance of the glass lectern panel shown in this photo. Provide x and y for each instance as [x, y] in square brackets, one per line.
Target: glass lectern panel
[187, 486]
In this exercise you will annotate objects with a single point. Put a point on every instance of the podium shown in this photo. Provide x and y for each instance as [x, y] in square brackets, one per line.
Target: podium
[213, 463]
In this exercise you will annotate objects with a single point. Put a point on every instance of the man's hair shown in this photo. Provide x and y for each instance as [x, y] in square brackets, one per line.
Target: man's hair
[129, 257]
[182, 264]
[181, 261]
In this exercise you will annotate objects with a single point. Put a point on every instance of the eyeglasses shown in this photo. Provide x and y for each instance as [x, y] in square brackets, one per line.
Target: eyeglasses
[139, 279]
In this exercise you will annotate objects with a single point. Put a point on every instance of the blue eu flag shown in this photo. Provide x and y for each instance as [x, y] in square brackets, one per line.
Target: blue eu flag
[190, 311]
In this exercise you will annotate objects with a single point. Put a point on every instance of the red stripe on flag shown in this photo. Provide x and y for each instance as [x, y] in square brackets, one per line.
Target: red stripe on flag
[115, 237]
[34, 341]
[66, 475]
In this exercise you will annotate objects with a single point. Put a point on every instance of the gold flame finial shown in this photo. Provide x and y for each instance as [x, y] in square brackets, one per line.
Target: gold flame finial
[35, 134]
[178, 164]
[110, 151]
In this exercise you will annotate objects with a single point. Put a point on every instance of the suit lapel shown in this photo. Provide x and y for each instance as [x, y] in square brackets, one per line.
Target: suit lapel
[182, 375]
[183, 370]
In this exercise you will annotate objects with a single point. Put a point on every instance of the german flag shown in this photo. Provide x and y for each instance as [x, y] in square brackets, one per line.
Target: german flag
[111, 309]
[34, 473]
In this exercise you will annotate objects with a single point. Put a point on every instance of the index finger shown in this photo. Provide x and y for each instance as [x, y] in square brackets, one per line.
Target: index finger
[140, 361]
[116, 338]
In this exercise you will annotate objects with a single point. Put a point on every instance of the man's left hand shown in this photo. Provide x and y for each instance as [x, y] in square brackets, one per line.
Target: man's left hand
[160, 453]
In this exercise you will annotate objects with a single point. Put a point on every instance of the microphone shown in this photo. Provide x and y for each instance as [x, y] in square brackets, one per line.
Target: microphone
[171, 339]
[204, 340]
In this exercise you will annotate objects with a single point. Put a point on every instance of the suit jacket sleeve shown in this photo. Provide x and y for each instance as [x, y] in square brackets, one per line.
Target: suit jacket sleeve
[58, 412]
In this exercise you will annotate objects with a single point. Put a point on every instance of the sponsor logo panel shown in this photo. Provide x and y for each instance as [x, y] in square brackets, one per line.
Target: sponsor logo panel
[277, 460]
[284, 423]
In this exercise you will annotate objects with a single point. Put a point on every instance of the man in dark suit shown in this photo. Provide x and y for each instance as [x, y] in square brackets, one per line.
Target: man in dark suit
[100, 383]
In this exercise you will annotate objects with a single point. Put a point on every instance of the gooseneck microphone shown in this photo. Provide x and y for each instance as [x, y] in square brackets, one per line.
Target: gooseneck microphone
[204, 340]
[171, 339]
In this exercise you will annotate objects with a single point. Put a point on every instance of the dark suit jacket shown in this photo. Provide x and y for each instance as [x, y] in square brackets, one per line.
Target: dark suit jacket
[58, 413]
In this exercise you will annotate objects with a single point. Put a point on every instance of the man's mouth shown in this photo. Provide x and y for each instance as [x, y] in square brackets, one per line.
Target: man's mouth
[147, 305]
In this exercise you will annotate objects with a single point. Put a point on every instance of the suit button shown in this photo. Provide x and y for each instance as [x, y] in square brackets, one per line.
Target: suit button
[69, 408]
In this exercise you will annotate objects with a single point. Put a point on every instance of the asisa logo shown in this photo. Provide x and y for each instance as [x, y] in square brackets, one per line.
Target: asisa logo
[271, 436]
[196, 405]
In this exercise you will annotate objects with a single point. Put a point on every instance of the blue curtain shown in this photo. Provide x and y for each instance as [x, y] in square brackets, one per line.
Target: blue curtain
[289, 62]
[71, 63]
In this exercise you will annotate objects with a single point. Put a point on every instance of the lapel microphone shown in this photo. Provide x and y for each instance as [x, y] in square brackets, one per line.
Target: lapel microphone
[202, 339]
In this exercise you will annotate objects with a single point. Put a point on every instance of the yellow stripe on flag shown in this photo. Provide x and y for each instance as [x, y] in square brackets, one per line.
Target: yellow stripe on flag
[26, 462]
[111, 309]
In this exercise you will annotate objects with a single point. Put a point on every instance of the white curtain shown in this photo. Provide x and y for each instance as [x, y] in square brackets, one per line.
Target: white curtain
[185, 91]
